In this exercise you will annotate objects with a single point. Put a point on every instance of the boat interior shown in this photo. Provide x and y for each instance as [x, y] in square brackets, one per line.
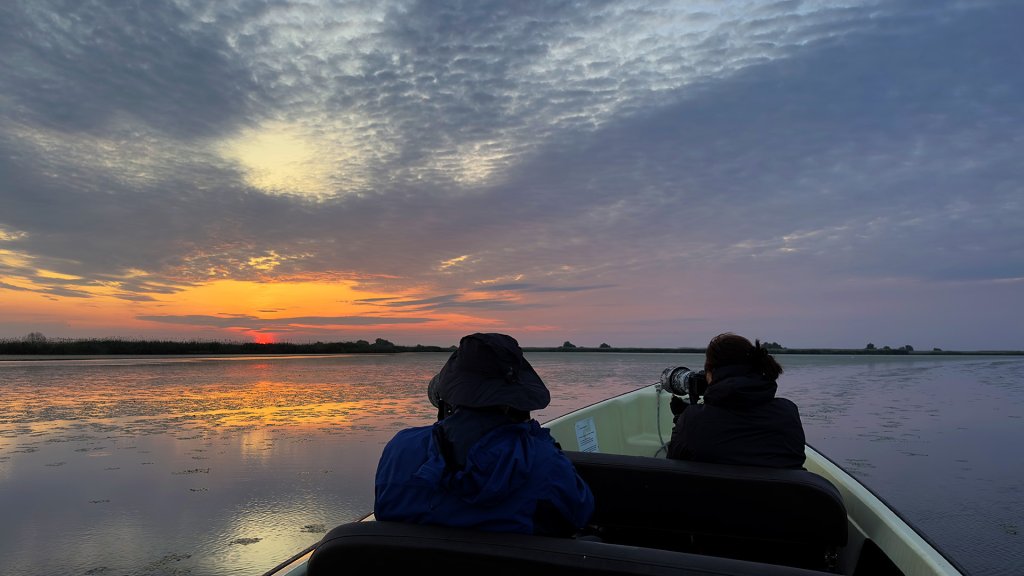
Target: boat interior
[653, 516]
[659, 516]
[790, 517]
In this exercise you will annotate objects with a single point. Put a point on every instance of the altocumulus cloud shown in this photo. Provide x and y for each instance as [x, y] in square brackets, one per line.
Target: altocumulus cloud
[816, 173]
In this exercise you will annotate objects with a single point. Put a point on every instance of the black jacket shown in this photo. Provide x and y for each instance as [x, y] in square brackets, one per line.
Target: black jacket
[741, 422]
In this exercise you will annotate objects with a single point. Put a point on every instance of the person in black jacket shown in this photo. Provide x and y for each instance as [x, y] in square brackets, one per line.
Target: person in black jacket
[741, 421]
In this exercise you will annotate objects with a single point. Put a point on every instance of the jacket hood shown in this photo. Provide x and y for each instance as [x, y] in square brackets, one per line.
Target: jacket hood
[498, 464]
[739, 386]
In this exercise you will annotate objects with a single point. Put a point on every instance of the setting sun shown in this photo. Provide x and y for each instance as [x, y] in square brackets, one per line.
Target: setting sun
[263, 338]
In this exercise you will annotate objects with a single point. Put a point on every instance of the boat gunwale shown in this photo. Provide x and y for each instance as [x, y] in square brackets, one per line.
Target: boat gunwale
[937, 558]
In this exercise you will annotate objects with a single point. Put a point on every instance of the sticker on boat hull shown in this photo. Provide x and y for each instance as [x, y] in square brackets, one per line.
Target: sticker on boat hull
[586, 435]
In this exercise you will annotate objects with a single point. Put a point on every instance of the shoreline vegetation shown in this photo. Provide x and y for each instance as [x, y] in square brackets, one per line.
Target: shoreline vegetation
[38, 345]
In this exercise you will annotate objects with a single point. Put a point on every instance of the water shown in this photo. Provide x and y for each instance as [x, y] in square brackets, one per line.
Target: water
[189, 466]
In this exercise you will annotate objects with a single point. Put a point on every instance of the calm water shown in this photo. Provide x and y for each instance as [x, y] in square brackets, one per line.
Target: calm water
[228, 466]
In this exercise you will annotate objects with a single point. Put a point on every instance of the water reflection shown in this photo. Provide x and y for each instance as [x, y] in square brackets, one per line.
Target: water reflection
[228, 466]
[202, 467]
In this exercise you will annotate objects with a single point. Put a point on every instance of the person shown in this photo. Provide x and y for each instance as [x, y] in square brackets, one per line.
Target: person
[741, 420]
[485, 463]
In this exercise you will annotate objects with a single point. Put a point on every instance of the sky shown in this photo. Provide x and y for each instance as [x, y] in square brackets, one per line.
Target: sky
[811, 173]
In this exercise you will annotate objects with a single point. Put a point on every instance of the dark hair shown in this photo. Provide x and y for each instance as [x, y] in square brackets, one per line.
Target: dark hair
[728, 349]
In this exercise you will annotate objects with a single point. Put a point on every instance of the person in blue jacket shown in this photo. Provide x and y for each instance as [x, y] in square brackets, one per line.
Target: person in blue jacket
[485, 464]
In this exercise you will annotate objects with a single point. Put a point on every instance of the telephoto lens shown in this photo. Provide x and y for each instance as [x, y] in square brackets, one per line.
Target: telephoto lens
[681, 381]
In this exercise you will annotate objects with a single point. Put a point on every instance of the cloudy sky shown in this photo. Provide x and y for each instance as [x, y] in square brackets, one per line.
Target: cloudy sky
[815, 173]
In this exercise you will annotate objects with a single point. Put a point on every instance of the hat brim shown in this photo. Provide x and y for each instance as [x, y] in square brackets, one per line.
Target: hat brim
[474, 391]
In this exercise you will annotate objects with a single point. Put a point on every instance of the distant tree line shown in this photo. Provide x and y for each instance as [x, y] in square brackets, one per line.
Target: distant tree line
[777, 348]
[37, 344]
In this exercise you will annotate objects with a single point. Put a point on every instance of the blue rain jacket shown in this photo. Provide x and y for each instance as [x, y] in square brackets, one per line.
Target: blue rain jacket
[515, 479]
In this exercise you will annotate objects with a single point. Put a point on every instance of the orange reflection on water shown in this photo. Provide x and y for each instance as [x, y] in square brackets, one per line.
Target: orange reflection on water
[340, 414]
[265, 403]
[297, 406]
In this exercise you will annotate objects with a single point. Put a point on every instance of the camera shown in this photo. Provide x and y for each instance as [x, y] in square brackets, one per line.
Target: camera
[682, 381]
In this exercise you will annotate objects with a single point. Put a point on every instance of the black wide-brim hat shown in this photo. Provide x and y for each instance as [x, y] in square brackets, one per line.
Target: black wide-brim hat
[489, 370]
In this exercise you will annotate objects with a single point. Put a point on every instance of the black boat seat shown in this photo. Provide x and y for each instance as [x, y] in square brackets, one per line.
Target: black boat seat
[398, 548]
[792, 517]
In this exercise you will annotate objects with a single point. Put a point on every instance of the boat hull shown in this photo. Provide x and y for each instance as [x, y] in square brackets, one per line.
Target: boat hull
[629, 433]
[639, 423]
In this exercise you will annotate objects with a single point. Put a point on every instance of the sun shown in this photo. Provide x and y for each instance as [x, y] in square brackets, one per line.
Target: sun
[263, 338]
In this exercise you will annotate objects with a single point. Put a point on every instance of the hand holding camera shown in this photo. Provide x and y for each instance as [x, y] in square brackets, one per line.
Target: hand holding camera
[677, 405]
[686, 387]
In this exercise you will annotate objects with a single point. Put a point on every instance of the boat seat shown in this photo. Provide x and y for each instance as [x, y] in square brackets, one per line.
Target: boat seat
[377, 547]
[792, 517]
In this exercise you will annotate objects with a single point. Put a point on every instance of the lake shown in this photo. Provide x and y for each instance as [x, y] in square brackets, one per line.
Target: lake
[217, 466]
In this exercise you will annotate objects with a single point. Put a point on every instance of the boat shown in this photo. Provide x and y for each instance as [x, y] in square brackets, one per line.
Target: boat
[659, 516]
